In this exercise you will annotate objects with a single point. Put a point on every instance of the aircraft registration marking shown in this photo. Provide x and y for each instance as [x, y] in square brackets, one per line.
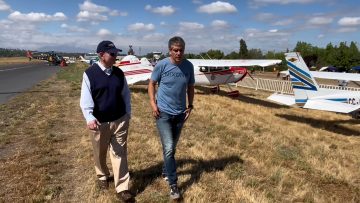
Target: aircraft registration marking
[354, 101]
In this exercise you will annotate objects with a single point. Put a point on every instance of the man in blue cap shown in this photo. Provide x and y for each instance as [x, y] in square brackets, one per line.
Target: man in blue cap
[105, 103]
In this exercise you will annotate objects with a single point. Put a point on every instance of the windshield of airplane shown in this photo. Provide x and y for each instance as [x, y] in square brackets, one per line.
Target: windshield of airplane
[212, 68]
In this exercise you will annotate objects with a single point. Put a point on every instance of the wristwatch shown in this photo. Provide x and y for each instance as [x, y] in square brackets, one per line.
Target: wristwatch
[190, 106]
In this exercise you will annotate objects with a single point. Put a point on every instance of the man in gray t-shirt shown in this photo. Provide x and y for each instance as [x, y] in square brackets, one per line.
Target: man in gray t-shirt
[175, 77]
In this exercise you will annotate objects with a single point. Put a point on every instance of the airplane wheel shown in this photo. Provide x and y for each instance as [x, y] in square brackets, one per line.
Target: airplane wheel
[215, 89]
[356, 114]
[233, 94]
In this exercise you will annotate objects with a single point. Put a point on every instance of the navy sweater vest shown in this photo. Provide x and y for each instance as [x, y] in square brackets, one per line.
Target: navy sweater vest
[106, 93]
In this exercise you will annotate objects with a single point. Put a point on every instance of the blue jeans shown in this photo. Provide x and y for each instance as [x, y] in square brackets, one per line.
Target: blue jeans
[169, 127]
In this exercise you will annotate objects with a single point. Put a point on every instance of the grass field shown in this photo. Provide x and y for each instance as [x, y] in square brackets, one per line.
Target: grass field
[231, 150]
[15, 60]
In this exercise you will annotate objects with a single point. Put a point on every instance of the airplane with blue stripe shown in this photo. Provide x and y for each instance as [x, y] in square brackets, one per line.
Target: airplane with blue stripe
[307, 93]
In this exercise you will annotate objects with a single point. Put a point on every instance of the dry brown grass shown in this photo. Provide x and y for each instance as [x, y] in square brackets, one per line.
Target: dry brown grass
[15, 60]
[231, 150]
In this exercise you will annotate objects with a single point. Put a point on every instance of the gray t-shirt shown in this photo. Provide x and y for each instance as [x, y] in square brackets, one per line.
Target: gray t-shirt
[173, 81]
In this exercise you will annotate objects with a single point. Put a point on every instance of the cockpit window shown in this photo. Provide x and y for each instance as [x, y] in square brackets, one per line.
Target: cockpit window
[204, 69]
[212, 68]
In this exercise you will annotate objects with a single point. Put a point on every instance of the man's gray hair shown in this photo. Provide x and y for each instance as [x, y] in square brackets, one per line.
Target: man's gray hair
[176, 40]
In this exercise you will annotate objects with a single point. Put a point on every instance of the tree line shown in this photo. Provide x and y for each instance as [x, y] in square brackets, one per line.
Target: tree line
[12, 52]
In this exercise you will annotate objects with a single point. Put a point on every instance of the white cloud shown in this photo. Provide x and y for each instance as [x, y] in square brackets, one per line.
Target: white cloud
[217, 7]
[271, 35]
[73, 28]
[94, 13]
[219, 24]
[283, 22]
[196, 2]
[347, 29]
[88, 16]
[4, 6]
[118, 13]
[349, 21]
[257, 3]
[91, 7]
[320, 36]
[136, 27]
[320, 20]
[154, 37]
[163, 10]
[191, 26]
[104, 32]
[265, 17]
[36, 17]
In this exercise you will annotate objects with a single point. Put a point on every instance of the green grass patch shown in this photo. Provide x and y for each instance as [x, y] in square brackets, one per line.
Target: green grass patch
[72, 73]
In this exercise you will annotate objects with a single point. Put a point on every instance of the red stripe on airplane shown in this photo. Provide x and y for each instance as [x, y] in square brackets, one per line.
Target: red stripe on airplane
[125, 63]
[137, 72]
[220, 73]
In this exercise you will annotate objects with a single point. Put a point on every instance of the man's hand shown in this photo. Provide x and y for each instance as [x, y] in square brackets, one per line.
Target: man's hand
[93, 125]
[155, 110]
[187, 113]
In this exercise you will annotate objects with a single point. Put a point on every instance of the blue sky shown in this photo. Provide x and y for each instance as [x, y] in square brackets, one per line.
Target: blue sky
[79, 25]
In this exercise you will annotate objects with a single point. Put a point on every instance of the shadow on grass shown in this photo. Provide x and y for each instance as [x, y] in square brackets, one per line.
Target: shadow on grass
[242, 98]
[331, 126]
[143, 178]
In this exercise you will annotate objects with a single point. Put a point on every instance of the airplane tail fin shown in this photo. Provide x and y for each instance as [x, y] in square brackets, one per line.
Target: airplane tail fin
[301, 79]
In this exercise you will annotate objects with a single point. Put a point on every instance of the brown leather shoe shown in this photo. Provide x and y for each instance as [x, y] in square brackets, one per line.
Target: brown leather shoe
[125, 196]
[103, 184]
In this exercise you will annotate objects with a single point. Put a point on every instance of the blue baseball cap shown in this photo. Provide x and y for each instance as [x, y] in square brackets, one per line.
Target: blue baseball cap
[107, 46]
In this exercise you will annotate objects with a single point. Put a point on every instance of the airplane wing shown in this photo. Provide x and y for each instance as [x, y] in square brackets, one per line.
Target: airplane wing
[336, 76]
[282, 99]
[325, 105]
[239, 62]
[328, 105]
[144, 78]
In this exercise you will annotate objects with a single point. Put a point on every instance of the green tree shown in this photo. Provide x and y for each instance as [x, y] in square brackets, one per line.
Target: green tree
[215, 54]
[354, 54]
[232, 55]
[304, 48]
[255, 54]
[243, 50]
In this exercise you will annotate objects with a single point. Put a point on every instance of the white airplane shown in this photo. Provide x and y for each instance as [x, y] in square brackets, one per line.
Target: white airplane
[88, 57]
[309, 95]
[136, 71]
[331, 75]
[206, 72]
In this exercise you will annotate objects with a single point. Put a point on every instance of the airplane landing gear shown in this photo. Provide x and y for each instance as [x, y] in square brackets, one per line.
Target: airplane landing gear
[215, 89]
[234, 94]
[356, 114]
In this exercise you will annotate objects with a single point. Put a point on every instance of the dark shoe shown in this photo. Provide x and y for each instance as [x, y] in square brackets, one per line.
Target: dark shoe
[110, 178]
[174, 192]
[125, 196]
[103, 184]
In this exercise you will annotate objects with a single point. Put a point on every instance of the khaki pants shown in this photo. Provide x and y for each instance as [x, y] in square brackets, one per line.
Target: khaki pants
[113, 134]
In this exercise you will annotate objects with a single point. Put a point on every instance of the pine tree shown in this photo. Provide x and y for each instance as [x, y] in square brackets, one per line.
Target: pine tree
[243, 50]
